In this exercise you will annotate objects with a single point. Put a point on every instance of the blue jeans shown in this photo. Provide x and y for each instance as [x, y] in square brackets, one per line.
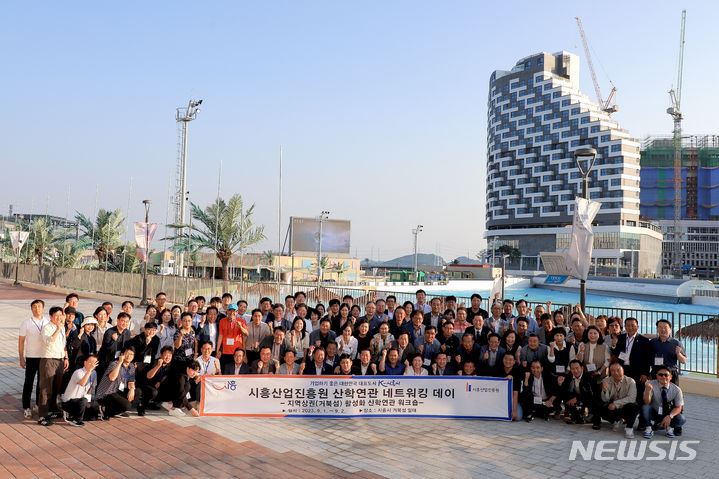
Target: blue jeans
[649, 415]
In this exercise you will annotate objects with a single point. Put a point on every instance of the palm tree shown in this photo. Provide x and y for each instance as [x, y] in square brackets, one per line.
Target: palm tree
[190, 246]
[70, 251]
[225, 228]
[105, 233]
[45, 238]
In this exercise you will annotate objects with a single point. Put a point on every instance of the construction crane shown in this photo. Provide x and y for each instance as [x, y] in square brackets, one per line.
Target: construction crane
[675, 112]
[606, 106]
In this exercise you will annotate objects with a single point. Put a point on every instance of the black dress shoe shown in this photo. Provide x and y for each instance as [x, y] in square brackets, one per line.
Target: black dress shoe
[529, 418]
[678, 431]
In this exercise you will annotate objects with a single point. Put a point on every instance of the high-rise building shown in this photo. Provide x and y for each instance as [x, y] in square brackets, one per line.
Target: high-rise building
[537, 118]
[699, 234]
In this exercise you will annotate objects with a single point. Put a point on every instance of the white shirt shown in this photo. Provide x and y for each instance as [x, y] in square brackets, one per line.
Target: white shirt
[211, 366]
[31, 328]
[410, 372]
[213, 329]
[350, 348]
[74, 390]
[53, 349]
[308, 326]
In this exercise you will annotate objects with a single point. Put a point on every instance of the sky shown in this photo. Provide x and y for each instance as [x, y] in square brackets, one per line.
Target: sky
[380, 106]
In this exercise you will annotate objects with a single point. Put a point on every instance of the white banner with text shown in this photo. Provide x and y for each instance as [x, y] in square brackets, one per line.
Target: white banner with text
[357, 396]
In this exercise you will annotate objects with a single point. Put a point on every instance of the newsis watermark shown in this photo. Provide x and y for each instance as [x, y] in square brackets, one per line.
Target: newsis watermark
[633, 450]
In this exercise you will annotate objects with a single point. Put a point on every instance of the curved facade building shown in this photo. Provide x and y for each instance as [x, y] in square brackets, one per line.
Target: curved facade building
[537, 118]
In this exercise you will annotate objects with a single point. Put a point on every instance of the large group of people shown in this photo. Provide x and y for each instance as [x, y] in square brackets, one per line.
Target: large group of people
[563, 363]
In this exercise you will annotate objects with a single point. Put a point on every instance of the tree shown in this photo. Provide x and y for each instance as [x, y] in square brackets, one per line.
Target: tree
[513, 253]
[225, 228]
[45, 238]
[70, 251]
[105, 233]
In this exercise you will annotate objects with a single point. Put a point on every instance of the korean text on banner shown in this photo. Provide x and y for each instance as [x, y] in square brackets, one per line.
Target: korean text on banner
[357, 396]
[579, 255]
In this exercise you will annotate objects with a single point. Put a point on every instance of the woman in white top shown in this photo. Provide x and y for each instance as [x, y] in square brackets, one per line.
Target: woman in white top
[208, 364]
[594, 354]
[297, 339]
[347, 344]
[166, 331]
[415, 368]
[102, 325]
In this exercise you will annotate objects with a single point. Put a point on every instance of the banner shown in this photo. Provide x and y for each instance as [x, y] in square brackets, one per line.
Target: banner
[579, 255]
[357, 396]
[143, 231]
[18, 238]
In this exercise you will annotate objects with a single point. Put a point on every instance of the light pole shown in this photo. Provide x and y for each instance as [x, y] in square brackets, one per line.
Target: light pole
[184, 116]
[585, 167]
[504, 265]
[323, 217]
[147, 203]
[416, 233]
[17, 261]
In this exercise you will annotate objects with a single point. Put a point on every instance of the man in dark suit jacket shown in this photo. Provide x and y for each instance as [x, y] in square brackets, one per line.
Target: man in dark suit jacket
[363, 363]
[318, 365]
[276, 343]
[434, 317]
[632, 352]
[578, 390]
[113, 342]
[238, 366]
[441, 366]
[207, 333]
[538, 397]
[479, 331]
[490, 355]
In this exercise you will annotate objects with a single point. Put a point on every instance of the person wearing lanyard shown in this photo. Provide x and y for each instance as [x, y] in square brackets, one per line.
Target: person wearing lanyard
[538, 398]
[30, 351]
[208, 364]
[232, 332]
[663, 402]
[667, 351]
[276, 343]
[116, 390]
[185, 344]
[78, 394]
[53, 362]
[208, 330]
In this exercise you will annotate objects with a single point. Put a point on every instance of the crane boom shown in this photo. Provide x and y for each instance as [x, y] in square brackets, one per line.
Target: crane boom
[604, 105]
[589, 61]
[675, 112]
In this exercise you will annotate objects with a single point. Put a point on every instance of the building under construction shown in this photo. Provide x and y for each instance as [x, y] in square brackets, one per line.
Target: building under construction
[699, 227]
[700, 178]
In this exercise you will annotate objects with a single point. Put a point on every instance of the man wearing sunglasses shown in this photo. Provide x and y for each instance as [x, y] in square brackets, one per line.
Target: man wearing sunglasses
[662, 405]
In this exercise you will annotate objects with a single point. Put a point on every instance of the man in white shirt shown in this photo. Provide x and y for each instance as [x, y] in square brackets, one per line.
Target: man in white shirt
[30, 351]
[53, 363]
[78, 393]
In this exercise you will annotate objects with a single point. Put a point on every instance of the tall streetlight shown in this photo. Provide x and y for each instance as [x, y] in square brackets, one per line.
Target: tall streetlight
[183, 115]
[585, 158]
[416, 233]
[323, 217]
[147, 204]
[17, 261]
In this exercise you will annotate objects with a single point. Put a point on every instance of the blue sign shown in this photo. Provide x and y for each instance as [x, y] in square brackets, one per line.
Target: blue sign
[556, 279]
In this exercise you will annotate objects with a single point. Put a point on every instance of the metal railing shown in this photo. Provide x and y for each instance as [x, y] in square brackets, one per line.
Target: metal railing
[702, 354]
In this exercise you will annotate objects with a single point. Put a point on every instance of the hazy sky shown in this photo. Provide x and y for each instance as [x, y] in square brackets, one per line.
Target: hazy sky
[381, 106]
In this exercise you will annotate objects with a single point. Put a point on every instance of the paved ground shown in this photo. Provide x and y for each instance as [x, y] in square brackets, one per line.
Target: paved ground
[283, 447]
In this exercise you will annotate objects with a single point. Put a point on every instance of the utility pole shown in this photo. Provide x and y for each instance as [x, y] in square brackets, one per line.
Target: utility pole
[416, 233]
[183, 116]
[323, 217]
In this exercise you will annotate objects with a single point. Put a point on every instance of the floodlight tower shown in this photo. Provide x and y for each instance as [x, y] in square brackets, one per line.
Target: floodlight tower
[183, 116]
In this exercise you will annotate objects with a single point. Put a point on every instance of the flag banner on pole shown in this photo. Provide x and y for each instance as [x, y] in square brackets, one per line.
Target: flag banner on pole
[579, 255]
[18, 239]
[357, 396]
[496, 289]
[143, 231]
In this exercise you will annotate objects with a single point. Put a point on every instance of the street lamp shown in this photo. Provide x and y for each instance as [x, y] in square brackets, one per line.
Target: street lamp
[17, 261]
[585, 158]
[147, 204]
[416, 233]
[504, 267]
[323, 217]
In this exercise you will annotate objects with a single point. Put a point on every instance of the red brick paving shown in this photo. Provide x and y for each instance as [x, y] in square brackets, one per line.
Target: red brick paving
[140, 448]
[8, 291]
